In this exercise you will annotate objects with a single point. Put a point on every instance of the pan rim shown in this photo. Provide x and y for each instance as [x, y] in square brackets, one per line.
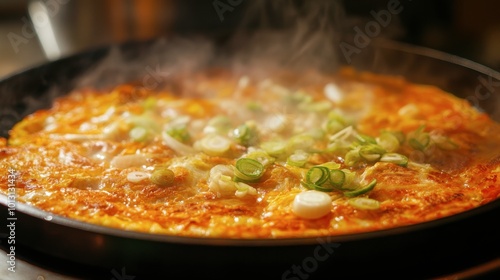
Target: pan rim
[210, 241]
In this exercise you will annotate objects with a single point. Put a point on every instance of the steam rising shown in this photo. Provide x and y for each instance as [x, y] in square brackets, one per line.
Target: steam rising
[283, 34]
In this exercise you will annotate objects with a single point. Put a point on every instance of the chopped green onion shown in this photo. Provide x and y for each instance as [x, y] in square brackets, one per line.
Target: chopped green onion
[443, 142]
[337, 178]
[275, 148]
[179, 133]
[248, 169]
[388, 141]
[371, 152]
[300, 142]
[395, 158]
[149, 103]
[366, 139]
[298, 97]
[245, 134]
[330, 165]
[419, 139]
[145, 121]
[352, 157]
[361, 190]
[350, 182]
[215, 145]
[163, 177]
[261, 156]
[254, 106]
[218, 124]
[320, 106]
[298, 159]
[364, 203]
[138, 134]
[334, 126]
[317, 175]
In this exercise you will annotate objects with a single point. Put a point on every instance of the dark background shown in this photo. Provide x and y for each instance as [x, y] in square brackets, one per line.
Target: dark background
[467, 28]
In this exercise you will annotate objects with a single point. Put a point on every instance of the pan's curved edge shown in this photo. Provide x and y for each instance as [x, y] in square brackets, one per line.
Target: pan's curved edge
[164, 249]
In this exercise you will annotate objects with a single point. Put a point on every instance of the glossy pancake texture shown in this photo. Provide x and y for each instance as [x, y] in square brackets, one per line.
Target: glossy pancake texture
[220, 155]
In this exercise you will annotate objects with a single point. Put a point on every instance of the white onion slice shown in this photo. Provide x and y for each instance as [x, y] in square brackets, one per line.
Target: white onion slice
[126, 161]
[137, 176]
[312, 204]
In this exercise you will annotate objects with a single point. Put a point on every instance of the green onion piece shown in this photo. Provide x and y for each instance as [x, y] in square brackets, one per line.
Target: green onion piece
[298, 97]
[248, 169]
[298, 159]
[337, 178]
[261, 156]
[323, 188]
[275, 148]
[395, 158]
[330, 165]
[419, 139]
[218, 124]
[352, 157]
[388, 141]
[398, 134]
[315, 187]
[365, 139]
[364, 203]
[146, 121]
[163, 177]
[371, 152]
[215, 145]
[317, 175]
[246, 134]
[361, 190]
[179, 133]
[300, 142]
[254, 106]
[320, 106]
[138, 134]
[308, 186]
[350, 182]
[149, 103]
[334, 126]
[444, 142]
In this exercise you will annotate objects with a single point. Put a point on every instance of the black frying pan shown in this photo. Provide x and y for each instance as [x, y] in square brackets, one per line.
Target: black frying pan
[419, 251]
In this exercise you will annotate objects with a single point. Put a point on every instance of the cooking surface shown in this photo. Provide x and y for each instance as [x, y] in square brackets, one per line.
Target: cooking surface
[35, 265]
[39, 266]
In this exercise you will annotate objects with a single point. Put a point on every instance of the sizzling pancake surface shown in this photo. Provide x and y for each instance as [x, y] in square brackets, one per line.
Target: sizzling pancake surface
[95, 155]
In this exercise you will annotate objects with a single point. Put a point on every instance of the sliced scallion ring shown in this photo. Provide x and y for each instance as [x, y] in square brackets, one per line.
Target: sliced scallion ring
[163, 177]
[248, 169]
[138, 134]
[275, 148]
[337, 178]
[395, 158]
[317, 175]
[298, 159]
[419, 139]
[371, 152]
[245, 134]
[215, 145]
[361, 190]
[364, 203]
[352, 157]
[388, 141]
